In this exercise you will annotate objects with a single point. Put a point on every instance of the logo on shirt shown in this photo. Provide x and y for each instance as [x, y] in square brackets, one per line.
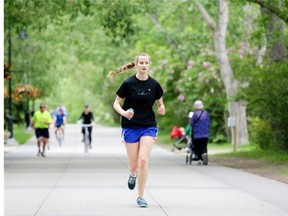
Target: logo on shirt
[143, 92]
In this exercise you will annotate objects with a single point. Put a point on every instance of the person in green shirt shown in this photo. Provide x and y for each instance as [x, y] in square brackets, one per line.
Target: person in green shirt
[41, 121]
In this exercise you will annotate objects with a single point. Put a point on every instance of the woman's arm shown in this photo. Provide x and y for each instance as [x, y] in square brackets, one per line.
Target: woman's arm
[161, 107]
[118, 108]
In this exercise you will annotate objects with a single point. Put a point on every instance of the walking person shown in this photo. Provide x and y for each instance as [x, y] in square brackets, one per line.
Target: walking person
[200, 124]
[87, 119]
[28, 119]
[139, 128]
[41, 121]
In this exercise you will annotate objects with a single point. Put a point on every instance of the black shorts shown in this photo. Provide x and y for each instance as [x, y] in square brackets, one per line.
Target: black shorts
[42, 132]
[58, 125]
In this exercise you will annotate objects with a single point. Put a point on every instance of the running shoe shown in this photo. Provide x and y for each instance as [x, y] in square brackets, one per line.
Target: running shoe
[132, 182]
[39, 154]
[43, 155]
[141, 202]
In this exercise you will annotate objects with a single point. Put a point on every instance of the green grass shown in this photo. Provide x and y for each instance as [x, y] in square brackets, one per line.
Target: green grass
[285, 171]
[251, 152]
[245, 151]
[20, 135]
[164, 139]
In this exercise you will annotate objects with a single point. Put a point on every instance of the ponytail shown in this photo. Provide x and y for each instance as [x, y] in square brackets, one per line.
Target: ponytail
[121, 69]
[128, 66]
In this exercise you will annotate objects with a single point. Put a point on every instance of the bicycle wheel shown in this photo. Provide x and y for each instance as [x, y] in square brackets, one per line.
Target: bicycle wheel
[59, 137]
[86, 143]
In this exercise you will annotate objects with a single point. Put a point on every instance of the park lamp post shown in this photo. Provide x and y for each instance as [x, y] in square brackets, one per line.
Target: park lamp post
[10, 118]
[23, 35]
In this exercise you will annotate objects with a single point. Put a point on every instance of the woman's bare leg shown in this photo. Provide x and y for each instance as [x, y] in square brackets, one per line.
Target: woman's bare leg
[146, 144]
[132, 150]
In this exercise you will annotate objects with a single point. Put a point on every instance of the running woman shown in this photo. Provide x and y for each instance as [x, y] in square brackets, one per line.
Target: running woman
[139, 127]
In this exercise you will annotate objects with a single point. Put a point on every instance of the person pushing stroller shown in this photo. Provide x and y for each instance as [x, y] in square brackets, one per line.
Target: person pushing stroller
[200, 125]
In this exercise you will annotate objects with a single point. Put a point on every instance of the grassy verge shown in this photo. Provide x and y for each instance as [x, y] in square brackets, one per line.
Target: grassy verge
[267, 163]
[165, 141]
[250, 152]
[245, 151]
[21, 135]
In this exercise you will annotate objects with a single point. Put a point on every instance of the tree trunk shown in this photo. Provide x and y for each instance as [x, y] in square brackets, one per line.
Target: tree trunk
[236, 108]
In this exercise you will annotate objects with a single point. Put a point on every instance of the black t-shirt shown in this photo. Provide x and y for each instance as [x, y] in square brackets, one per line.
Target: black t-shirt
[140, 96]
[87, 118]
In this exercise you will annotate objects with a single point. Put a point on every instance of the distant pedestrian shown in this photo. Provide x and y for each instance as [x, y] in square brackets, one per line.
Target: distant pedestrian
[139, 128]
[200, 124]
[87, 118]
[28, 119]
[41, 121]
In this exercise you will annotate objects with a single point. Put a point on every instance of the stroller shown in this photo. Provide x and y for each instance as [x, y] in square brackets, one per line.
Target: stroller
[184, 141]
[182, 138]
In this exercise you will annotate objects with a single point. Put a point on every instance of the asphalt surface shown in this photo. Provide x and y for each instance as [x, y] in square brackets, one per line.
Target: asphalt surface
[70, 182]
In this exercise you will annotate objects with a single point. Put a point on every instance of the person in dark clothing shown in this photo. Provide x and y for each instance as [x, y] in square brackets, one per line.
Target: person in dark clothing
[200, 124]
[27, 119]
[87, 119]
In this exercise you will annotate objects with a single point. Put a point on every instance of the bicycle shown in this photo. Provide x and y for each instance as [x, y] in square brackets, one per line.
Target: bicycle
[59, 136]
[86, 139]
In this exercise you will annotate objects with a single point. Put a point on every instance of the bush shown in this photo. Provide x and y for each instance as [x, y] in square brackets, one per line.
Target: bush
[267, 97]
[260, 132]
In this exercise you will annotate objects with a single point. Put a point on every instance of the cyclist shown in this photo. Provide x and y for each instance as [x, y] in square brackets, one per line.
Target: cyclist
[63, 108]
[87, 118]
[59, 122]
[41, 121]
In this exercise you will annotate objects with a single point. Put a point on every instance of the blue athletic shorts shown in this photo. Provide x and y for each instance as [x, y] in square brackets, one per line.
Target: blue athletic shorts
[133, 135]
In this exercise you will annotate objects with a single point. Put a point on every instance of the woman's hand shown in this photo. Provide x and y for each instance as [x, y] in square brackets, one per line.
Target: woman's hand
[117, 106]
[128, 114]
[161, 108]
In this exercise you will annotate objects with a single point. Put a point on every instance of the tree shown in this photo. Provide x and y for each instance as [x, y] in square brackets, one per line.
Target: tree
[281, 12]
[236, 108]
[274, 35]
[267, 92]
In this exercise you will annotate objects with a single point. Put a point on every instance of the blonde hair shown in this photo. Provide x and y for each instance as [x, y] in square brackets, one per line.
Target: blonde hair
[127, 67]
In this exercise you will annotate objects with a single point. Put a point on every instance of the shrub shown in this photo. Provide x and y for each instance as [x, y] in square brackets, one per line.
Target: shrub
[260, 132]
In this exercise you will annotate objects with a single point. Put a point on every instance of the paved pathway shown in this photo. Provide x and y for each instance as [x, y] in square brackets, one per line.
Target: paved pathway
[71, 183]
